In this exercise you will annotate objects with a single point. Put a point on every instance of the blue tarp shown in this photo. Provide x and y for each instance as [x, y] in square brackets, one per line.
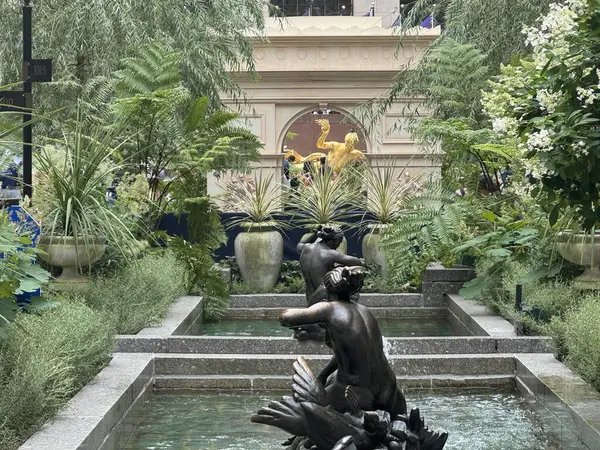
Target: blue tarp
[177, 226]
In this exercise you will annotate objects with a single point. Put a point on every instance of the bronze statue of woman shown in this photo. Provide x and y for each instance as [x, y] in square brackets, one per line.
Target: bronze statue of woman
[319, 255]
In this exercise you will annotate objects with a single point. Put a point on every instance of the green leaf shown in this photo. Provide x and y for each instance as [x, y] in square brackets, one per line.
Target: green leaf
[8, 311]
[41, 304]
[490, 216]
[553, 218]
[542, 271]
[474, 287]
[498, 253]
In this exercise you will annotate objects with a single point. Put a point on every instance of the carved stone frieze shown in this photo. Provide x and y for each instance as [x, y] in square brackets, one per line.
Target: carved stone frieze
[365, 57]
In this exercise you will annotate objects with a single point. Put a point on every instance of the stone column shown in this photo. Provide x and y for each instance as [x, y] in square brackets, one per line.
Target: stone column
[438, 281]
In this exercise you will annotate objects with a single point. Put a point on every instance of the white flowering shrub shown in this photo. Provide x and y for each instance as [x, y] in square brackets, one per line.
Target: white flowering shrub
[551, 105]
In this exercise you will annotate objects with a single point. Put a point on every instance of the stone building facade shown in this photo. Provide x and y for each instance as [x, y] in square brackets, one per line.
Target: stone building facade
[336, 63]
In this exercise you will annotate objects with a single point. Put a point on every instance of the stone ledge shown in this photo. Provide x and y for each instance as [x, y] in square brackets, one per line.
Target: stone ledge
[478, 318]
[392, 312]
[299, 300]
[461, 328]
[91, 415]
[434, 293]
[182, 315]
[573, 402]
[250, 366]
[273, 383]
[438, 273]
[289, 346]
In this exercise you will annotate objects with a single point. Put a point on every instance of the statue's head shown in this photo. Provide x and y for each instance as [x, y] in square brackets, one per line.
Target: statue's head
[351, 140]
[332, 235]
[344, 281]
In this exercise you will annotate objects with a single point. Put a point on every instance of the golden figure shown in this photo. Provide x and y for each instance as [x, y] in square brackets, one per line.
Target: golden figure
[313, 158]
[340, 154]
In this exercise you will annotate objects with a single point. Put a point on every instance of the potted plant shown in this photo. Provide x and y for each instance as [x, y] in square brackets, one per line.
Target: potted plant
[551, 107]
[385, 191]
[76, 220]
[582, 249]
[259, 247]
[325, 200]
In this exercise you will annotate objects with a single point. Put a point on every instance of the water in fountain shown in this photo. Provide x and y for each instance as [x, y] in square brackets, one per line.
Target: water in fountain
[210, 420]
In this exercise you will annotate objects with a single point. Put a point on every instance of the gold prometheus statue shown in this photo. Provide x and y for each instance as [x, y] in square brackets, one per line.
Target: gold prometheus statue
[340, 154]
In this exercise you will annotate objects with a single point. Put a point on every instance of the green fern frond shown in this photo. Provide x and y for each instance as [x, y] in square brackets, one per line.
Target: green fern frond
[431, 222]
[155, 69]
[197, 113]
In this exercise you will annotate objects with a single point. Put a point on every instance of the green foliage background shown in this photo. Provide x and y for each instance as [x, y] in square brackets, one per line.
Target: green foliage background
[88, 38]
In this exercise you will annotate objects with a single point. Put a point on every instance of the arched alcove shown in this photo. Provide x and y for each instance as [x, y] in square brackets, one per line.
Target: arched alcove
[302, 131]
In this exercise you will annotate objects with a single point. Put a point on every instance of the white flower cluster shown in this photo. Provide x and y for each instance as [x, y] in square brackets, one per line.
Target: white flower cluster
[503, 102]
[540, 141]
[587, 96]
[551, 37]
[580, 148]
[549, 101]
[505, 126]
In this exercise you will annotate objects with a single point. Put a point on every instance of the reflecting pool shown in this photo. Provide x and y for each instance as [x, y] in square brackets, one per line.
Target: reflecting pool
[210, 420]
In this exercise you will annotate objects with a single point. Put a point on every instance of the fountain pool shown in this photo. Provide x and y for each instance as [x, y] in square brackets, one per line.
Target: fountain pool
[421, 327]
[477, 420]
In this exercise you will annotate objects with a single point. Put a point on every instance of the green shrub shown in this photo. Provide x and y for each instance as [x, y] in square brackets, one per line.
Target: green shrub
[292, 285]
[557, 329]
[554, 297]
[378, 283]
[290, 279]
[140, 294]
[500, 297]
[44, 360]
[582, 340]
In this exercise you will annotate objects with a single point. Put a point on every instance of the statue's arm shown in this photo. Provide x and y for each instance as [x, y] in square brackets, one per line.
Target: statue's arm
[346, 260]
[310, 239]
[296, 317]
[321, 144]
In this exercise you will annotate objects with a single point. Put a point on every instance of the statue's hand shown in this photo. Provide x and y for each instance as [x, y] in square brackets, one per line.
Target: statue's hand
[325, 126]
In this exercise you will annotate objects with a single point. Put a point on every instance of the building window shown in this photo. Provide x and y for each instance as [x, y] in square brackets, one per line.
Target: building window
[292, 8]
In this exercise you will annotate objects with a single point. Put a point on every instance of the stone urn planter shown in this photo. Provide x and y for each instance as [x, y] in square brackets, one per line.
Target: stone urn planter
[371, 247]
[582, 249]
[71, 254]
[259, 254]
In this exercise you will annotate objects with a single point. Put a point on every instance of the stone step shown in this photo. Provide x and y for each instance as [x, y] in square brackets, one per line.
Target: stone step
[289, 346]
[263, 313]
[299, 300]
[283, 382]
[250, 365]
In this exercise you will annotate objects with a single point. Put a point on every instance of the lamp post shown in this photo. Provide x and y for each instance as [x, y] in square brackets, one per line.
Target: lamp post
[27, 132]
